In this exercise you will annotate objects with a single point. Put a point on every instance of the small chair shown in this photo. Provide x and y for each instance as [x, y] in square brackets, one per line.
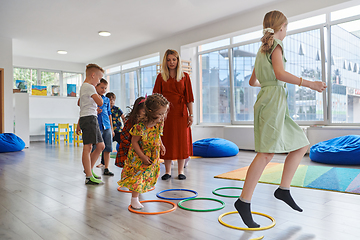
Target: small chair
[49, 132]
[77, 137]
[65, 133]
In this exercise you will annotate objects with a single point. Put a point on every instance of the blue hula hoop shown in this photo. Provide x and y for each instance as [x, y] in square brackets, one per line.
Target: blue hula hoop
[181, 189]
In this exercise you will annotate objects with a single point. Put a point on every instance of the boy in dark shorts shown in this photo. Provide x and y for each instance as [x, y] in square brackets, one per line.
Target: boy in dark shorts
[88, 123]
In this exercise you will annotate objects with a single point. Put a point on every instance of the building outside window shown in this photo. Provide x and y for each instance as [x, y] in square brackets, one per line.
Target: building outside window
[345, 72]
[214, 87]
[244, 95]
[306, 56]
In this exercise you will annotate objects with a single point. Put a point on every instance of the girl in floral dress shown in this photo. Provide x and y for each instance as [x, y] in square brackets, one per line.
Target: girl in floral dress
[142, 167]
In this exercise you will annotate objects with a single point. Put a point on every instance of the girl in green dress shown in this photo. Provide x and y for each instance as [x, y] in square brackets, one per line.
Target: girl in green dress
[142, 166]
[275, 131]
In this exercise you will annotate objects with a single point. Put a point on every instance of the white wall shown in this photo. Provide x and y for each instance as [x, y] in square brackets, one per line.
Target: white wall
[6, 62]
[56, 110]
[28, 62]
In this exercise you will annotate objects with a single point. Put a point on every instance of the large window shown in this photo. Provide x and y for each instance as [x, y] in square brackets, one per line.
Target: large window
[345, 72]
[131, 88]
[132, 80]
[71, 78]
[24, 78]
[303, 54]
[54, 81]
[244, 94]
[325, 48]
[147, 79]
[215, 87]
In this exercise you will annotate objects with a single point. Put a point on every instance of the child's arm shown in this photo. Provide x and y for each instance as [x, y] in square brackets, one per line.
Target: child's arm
[284, 76]
[123, 118]
[162, 148]
[112, 128]
[78, 130]
[97, 98]
[135, 143]
[253, 81]
[78, 103]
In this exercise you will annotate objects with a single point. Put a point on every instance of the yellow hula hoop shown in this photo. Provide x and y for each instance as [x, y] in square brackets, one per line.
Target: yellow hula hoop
[247, 229]
[258, 238]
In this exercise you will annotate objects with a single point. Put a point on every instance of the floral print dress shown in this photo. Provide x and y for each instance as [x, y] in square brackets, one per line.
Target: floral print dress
[135, 175]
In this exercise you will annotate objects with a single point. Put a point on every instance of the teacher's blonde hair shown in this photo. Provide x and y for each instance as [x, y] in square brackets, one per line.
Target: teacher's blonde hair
[165, 74]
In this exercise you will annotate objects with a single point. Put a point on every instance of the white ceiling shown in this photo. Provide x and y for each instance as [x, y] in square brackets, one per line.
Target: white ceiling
[41, 27]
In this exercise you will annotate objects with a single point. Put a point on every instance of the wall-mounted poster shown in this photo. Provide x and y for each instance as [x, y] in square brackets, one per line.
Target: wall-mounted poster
[38, 90]
[21, 84]
[71, 90]
[55, 90]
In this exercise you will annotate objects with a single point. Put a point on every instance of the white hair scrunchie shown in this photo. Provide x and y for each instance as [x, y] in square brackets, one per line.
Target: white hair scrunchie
[270, 30]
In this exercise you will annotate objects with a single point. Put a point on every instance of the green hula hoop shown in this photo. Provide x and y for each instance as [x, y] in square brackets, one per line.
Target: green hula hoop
[201, 210]
[222, 195]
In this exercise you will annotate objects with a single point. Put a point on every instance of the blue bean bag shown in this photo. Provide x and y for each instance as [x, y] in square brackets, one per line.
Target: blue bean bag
[343, 150]
[215, 147]
[9, 142]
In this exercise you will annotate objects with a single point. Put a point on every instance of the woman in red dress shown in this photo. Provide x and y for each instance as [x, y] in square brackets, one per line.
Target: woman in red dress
[175, 86]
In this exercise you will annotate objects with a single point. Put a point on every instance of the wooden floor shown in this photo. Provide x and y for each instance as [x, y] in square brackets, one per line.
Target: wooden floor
[43, 196]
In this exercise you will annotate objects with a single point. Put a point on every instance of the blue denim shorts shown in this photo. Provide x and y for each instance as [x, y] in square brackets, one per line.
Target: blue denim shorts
[107, 136]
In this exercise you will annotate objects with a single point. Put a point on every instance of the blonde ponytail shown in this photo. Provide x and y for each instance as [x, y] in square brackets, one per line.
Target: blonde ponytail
[272, 23]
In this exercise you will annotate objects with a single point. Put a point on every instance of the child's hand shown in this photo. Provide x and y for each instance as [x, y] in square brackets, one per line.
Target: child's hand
[99, 110]
[113, 133]
[318, 86]
[162, 149]
[78, 130]
[146, 160]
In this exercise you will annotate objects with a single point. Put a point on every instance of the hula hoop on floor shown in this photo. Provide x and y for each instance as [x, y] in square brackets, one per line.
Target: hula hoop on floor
[223, 195]
[258, 238]
[247, 229]
[202, 210]
[153, 213]
[180, 189]
[128, 191]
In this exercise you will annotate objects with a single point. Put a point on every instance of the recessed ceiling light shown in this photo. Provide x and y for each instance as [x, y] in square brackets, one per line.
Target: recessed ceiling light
[62, 52]
[104, 33]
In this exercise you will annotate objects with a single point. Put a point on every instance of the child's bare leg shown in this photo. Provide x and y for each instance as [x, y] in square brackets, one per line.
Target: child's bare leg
[292, 161]
[254, 172]
[86, 159]
[135, 203]
[96, 153]
[107, 161]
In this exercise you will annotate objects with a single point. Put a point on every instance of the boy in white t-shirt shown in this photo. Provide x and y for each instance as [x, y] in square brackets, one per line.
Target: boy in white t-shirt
[88, 123]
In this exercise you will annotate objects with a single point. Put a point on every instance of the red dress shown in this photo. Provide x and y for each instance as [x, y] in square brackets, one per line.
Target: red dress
[176, 136]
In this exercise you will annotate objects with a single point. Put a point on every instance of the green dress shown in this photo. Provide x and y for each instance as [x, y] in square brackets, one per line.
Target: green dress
[135, 175]
[275, 131]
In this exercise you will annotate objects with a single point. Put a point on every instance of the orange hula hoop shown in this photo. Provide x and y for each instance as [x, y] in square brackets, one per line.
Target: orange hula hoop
[153, 213]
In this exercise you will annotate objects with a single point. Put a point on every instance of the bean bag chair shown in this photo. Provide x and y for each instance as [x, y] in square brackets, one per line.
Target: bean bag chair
[343, 150]
[215, 147]
[9, 142]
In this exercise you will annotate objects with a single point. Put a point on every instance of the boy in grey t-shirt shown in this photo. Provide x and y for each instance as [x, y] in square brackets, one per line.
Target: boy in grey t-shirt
[88, 124]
